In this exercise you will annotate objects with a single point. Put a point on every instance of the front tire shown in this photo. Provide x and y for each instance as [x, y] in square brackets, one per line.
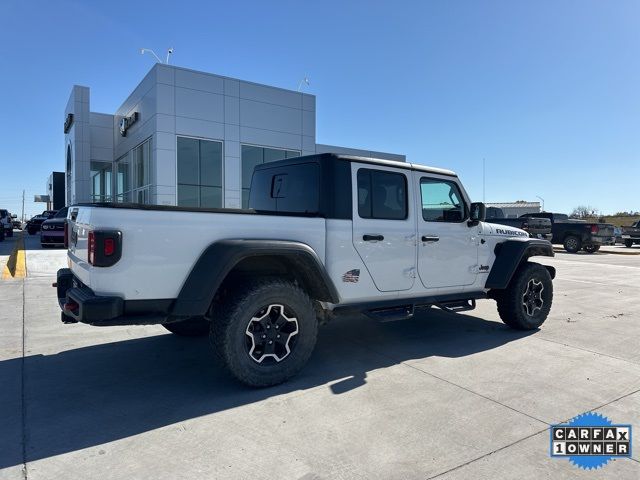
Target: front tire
[628, 243]
[193, 327]
[265, 333]
[526, 302]
[572, 244]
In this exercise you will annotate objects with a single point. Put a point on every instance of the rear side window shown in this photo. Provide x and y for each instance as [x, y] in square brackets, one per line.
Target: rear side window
[441, 201]
[286, 189]
[382, 195]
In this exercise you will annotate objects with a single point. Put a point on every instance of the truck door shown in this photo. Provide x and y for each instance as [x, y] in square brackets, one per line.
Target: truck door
[447, 246]
[384, 226]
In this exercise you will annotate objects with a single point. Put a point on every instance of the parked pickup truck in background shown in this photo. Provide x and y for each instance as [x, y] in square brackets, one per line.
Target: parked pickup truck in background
[631, 235]
[577, 234]
[326, 236]
[6, 223]
[535, 227]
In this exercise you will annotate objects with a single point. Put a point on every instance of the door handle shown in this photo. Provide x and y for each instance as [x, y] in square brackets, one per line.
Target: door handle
[372, 238]
[430, 238]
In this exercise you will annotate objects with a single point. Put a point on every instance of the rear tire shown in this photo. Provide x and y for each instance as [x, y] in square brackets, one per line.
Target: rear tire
[572, 244]
[193, 327]
[591, 248]
[526, 302]
[628, 243]
[247, 332]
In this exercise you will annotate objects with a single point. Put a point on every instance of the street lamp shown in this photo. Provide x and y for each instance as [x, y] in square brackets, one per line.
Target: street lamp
[148, 50]
[542, 202]
[304, 81]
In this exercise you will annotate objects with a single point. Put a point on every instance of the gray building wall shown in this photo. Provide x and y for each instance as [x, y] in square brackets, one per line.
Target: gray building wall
[77, 143]
[173, 101]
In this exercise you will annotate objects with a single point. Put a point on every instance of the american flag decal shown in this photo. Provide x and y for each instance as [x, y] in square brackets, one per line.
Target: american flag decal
[352, 276]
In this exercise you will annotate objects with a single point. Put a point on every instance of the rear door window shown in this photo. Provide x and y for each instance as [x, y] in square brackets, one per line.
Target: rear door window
[382, 195]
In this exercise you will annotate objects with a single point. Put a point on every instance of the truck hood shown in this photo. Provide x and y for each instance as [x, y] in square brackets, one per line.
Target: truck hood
[54, 221]
[497, 230]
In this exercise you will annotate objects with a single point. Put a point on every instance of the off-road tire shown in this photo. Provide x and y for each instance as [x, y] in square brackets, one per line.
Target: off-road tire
[511, 309]
[628, 243]
[229, 328]
[572, 244]
[591, 248]
[193, 327]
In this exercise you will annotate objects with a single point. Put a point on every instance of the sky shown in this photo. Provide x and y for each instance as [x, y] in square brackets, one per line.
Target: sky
[546, 92]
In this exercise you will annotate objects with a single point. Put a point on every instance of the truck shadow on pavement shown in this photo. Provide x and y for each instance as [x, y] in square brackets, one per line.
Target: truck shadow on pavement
[89, 396]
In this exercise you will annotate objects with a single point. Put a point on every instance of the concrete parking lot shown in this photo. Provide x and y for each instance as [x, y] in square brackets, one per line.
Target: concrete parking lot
[439, 396]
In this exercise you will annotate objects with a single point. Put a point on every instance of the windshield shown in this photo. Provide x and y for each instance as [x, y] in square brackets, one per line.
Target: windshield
[62, 213]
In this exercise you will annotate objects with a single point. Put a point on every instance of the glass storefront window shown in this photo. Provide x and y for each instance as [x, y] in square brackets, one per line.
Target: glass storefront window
[199, 173]
[253, 155]
[131, 175]
[122, 185]
[100, 174]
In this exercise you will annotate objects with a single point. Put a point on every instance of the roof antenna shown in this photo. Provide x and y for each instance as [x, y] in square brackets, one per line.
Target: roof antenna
[304, 81]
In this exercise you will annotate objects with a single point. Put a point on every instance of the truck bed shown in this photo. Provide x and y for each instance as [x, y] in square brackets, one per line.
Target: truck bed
[162, 243]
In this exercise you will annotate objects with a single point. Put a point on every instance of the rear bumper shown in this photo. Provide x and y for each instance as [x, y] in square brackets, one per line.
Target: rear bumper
[80, 304]
[595, 240]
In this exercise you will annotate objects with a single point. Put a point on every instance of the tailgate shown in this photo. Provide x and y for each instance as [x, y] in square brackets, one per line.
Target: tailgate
[78, 227]
[605, 230]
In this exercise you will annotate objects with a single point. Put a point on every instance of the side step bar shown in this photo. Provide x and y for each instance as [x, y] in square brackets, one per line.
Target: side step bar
[402, 309]
[457, 306]
[384, 315]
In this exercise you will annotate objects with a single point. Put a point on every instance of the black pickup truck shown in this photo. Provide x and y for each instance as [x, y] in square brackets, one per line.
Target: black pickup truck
[535, 227]
[631, 235]
[575, 235]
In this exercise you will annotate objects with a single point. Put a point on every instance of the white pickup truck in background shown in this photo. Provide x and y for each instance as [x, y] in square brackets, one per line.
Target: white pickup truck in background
[326, 236]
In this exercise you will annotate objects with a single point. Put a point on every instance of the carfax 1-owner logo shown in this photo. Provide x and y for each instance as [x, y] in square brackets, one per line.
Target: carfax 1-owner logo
[590, 440]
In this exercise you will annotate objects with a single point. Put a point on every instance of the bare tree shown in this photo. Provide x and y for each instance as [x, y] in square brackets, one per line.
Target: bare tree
[584, 211]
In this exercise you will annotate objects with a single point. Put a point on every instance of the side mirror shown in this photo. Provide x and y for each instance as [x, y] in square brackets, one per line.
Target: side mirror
[477, 213]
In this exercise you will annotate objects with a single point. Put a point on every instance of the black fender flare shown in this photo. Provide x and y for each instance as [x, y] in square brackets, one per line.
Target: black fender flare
[510, 255]
[219, 258]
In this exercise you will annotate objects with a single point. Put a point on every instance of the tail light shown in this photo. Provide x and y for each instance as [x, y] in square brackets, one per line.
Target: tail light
[595, 228]
[104, 247]
[66, 234]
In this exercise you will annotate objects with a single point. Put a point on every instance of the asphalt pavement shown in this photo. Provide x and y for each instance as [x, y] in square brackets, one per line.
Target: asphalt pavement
[451, 396]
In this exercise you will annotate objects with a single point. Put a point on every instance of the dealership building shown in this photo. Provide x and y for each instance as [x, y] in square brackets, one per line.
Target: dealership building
[186, 138]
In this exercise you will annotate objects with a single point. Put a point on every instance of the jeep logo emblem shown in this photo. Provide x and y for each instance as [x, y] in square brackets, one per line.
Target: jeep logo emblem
[126, 122]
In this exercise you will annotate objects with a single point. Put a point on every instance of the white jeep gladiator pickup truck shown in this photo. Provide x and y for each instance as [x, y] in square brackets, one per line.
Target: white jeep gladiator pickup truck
[326, 236]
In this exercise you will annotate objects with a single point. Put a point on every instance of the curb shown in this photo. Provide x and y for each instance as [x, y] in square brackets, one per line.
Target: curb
[636, 252]
[16, 266]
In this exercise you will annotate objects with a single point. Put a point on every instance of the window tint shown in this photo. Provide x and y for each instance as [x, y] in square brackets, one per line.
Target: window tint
[290, 189]
[441, 201]
[382, 195]
[251, 156]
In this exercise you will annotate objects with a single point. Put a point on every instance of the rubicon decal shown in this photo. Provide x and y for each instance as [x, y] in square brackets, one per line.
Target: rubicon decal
[511, 233]
[590, 440]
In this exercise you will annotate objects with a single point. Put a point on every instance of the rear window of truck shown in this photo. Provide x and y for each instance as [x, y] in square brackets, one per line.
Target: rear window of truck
[286, 189]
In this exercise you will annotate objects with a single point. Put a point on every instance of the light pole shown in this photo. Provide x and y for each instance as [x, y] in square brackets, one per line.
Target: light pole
[304, 81]
[145, 50]
[542, 202]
